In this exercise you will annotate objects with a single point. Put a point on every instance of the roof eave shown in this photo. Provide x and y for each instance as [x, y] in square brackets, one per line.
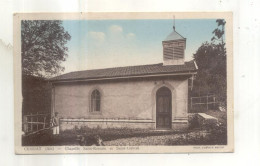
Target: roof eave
[191, 72]
[173, 40]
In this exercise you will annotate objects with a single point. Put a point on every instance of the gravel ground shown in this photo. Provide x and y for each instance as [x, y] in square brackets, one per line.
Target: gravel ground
[149, 140]
[137, 141]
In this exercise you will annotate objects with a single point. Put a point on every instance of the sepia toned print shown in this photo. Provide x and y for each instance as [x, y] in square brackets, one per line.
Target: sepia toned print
[123, 83]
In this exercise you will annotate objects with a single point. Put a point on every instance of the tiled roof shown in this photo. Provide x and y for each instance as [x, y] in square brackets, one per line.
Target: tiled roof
[129, 71]
[174, 36]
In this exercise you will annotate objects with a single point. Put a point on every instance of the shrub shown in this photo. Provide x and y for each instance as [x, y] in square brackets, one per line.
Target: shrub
[218, 134]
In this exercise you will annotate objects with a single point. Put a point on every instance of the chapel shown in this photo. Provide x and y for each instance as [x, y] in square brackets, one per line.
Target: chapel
[153, 96]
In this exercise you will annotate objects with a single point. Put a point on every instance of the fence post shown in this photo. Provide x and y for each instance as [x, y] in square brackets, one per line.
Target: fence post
[25, 126]
[214, 99]
[44, 120]
[207, 103]
[191, 102]
[37, 120]
[31, 119]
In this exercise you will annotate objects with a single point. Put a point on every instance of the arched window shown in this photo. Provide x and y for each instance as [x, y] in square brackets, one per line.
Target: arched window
[95, 101]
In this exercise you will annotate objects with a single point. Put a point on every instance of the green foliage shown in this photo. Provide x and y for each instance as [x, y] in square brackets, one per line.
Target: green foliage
[211, 61]
[217, 134]
[43, 47]
[36, 95]
[211, 77]
[219, 31]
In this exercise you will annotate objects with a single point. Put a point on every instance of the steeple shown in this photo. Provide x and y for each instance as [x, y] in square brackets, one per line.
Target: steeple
[173, 48]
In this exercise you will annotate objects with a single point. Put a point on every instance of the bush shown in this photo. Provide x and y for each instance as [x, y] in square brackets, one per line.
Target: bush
[193, 122]
[218, 134]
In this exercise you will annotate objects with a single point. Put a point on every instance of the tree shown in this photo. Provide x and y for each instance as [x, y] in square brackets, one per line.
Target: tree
[209, 57]
[43, 51]
[211, 61]
[219, 31]
[43, 47]
[219, 34]
[211, 75]
[36, 93]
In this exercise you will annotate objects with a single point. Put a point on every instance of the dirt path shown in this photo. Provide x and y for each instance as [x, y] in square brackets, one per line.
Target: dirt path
[191, 138]
[149, 140]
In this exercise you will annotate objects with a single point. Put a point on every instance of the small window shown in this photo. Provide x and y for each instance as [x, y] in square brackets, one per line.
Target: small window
[95, 101]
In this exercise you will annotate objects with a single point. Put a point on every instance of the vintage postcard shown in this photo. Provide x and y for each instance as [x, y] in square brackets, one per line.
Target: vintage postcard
[123, 82]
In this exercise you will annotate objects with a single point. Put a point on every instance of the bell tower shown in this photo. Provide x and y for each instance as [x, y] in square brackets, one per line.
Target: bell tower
[173, 48]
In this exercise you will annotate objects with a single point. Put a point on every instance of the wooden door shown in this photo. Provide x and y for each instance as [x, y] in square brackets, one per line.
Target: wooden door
[163, 108]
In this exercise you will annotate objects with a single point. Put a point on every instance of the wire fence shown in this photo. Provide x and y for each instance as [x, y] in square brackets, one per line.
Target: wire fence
[207, 102]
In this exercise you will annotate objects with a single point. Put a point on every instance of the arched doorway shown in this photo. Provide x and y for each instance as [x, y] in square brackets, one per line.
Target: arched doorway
[163, 108]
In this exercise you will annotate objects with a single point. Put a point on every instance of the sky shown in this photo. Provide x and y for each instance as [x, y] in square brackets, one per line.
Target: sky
[99, 44]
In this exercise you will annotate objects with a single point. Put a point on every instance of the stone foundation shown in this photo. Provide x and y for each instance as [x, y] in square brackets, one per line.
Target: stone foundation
[69, 124]
[180, 124]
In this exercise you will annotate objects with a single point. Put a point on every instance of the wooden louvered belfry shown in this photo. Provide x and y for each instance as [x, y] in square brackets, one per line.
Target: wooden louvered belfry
[173, 49]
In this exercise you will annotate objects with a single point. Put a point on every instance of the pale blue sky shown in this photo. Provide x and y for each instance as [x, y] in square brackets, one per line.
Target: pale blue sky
[110, 43]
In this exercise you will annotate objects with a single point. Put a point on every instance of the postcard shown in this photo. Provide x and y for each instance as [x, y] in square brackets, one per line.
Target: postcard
[123, 82]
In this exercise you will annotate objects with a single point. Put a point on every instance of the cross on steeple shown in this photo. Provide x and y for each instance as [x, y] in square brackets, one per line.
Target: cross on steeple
[174, 22]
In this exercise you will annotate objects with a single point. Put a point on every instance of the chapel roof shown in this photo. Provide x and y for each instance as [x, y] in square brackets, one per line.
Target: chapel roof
[128, 71]
[174, 36]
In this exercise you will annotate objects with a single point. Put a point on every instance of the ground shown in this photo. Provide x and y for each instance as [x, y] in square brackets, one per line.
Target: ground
[130, 137]
[168, 139]
[206, 135]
